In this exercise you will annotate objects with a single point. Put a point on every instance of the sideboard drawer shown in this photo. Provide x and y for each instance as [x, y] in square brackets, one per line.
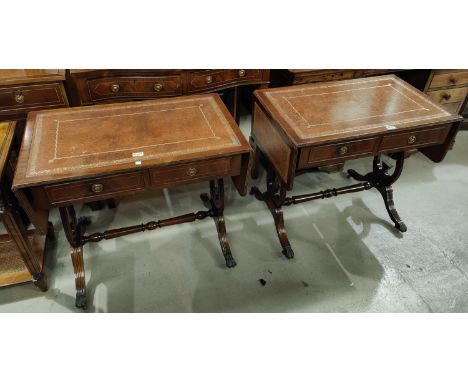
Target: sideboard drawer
[452, 78]
[27, 98]
[195, 171]
[407, 141]
[450, 99]
[93, 189]
[337, 152]
[211, 79]
[131, 87]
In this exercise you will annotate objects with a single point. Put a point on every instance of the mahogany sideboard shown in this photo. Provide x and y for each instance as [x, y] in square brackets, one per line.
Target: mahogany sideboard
[93, 153]
[87, 87]
[21, 251]
[300, 127]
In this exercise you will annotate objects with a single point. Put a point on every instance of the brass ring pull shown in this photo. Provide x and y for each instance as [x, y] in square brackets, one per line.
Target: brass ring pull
[19, 98]
[209, 79]
[192, 171]
[97, 188]
[115, 88]
[343, 150]
[241, 72]
[157, 87]
[412, 139]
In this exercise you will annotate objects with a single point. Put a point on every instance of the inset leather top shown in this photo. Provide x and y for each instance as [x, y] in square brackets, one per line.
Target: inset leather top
[322, 112]
[86, 141]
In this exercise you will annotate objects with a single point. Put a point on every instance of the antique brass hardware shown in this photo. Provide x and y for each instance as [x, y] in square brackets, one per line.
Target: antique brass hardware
[412, 139]
[343, 150]
[241, 72]
[115, 88]
[192, 171]
[209, 79]
[97, 188]
[157, 87]
[19, 98]
[446, 96]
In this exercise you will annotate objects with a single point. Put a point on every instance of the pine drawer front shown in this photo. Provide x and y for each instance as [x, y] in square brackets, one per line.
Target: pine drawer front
[408, 141]
[213, 79]
[31, 97]
[195, 171]
[131, 87]
[450, 79]
[312, 156]
[449, 99]
[95, 189]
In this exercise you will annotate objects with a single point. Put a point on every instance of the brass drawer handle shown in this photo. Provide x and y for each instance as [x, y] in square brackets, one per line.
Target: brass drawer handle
[115, 88]
[97, 188]
[192, 171]
[446, 96]
[209, 79]
[343, 150]
[19, 98]
[241, 72]
[157, 87]
[412, 139]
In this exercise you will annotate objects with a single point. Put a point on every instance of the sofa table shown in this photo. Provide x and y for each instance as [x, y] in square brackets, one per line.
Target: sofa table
[87, 154]
[300, 127]
[21, 251]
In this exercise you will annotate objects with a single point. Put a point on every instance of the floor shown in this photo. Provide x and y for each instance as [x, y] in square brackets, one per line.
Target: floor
[349, 257]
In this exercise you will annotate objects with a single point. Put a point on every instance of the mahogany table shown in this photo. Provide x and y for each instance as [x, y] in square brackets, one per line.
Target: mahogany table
[95, 153]
[301, 127]
[21, 250]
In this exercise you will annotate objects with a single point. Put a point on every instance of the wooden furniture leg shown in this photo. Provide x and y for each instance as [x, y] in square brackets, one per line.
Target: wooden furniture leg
[255, 160]
[382, 181]
[274, 198]
[73, 230]
[215, 205]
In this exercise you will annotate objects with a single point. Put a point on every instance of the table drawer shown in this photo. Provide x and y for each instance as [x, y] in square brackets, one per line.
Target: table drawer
[195, 171]
[407, 141]
[313, 156]
[453, 78]
[450, 99]
[27, 98]
[211, 79]
[131, 87]
[95, 188]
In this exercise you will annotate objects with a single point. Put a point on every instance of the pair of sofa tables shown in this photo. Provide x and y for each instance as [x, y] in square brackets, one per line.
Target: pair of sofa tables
[96, 153]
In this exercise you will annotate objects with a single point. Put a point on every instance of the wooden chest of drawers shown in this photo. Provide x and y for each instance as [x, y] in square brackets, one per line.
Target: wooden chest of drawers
[449, 88]
[25, 90]
[87, 87]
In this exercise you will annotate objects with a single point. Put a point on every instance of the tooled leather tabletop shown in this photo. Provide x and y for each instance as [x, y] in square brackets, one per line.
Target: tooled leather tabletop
[340, 109]
[86, 141]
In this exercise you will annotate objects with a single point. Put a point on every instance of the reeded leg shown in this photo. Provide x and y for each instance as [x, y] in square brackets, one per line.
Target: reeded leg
[73, 230]
[274, 198]
[80, 281]
[387, 195]
[216, 206]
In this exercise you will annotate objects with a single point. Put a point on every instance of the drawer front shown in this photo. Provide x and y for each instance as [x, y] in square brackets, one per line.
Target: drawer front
[31, 97]
[337, 152]
[212, 79]
[95, 188]
[455, 78]
[195, 171]
[408, 141]
[450, 99]
[131, 87]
